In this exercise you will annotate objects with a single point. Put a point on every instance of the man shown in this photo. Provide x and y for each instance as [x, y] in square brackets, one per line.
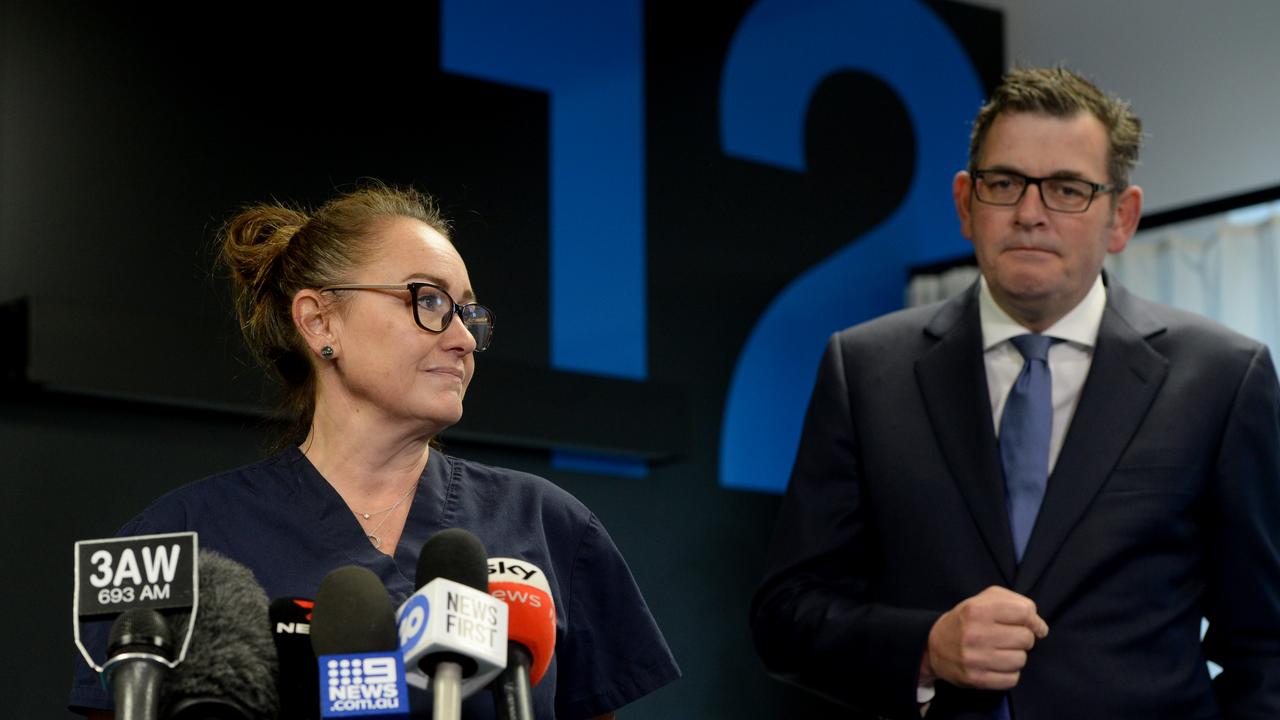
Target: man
[930, 560]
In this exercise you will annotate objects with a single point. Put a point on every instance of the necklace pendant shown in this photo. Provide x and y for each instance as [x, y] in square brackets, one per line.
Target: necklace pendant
[377, 543]
[366, 515]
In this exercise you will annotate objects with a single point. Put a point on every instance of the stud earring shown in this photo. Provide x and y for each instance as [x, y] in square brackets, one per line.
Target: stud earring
[326, 352]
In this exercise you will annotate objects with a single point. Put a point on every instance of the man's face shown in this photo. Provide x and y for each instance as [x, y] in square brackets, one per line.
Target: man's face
[1040, 263]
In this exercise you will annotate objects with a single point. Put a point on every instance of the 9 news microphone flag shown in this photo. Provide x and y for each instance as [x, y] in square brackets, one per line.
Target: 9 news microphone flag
[353, 634]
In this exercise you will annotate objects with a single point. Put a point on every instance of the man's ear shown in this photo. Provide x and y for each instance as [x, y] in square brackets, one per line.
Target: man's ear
[962, 194]
[1124, 220]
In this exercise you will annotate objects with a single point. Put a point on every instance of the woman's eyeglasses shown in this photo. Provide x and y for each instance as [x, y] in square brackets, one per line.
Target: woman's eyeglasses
[434, 309]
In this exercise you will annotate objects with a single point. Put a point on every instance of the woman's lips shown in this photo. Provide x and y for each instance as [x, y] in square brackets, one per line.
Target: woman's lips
[455, 374]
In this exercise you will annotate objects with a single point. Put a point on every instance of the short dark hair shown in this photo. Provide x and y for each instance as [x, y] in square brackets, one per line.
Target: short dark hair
[1060, 92]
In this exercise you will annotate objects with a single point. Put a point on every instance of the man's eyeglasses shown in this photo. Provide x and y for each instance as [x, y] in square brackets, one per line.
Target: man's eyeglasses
[434, 308]
[1060, 194]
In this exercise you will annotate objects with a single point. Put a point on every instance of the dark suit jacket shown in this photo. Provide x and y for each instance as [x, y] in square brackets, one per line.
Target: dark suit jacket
[1164, 506]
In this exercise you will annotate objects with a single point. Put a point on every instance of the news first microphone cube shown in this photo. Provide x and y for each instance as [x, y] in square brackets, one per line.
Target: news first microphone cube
[362, 685]
[444, 616]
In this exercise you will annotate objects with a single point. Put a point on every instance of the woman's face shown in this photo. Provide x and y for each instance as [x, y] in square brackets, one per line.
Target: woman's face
[387, 365]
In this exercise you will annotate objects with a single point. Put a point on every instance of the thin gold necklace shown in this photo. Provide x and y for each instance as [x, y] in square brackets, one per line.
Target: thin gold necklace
[394, 505]
[373, 534]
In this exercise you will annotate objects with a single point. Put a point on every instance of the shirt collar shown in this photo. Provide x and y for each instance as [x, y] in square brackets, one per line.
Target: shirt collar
[1080, 326]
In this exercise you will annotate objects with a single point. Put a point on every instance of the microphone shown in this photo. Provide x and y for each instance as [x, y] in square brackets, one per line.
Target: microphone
[453, 634]
[353, 634]
[299, 684]
[116, 575]
[531, 634]
[230, 669]
[138, 651]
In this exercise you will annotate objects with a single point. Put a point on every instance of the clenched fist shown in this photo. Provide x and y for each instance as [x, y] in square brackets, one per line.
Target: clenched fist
[983, 641]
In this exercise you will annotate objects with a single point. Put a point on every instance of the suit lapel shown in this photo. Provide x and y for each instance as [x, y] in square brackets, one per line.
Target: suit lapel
[953, 382]
[1124, 377]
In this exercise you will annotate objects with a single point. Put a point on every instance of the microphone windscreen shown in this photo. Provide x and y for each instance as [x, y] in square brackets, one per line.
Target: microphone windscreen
[299, 675]
[353, 614]
[531, 618]
[457, 555]
[140, 630]
[231, 661]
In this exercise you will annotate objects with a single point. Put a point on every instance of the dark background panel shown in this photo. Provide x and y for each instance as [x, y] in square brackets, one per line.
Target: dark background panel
[127, 136]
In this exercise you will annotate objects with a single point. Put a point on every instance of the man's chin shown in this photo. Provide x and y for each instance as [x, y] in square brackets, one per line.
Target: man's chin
[1023, 287]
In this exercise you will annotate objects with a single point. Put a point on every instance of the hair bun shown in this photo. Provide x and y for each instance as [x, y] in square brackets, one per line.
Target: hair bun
[254, 239]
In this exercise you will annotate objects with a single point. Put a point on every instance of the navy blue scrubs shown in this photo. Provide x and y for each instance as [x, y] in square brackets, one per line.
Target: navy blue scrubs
[282, 520]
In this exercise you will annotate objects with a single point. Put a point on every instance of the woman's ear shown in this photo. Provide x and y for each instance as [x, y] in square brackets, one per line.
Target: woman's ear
[316, 322]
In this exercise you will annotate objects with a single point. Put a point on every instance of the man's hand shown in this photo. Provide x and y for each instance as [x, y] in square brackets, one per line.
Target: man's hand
[983, 641]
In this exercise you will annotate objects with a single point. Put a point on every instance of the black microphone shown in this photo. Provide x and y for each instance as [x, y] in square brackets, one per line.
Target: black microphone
[457, 555]
[352, 614]
[230, 669]
[357, 647]
[138, 650]
[299, 683]
[454, 554]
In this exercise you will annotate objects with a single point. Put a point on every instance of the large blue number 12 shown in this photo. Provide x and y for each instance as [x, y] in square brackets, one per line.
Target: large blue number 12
[588, 57]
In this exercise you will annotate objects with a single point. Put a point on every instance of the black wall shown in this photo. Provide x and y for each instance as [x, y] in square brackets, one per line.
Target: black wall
[128, 134]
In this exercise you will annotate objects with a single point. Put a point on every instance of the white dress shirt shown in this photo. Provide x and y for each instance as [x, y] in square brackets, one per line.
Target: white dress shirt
[1069, 360]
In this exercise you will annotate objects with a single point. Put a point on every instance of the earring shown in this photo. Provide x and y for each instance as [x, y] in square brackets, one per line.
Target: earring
[326, 352]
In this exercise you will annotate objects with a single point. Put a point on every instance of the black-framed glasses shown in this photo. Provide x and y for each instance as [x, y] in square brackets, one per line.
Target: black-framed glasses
[1059, 194]
[434, 309]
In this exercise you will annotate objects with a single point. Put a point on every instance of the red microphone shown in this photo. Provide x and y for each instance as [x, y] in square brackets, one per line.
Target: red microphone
[531, 634]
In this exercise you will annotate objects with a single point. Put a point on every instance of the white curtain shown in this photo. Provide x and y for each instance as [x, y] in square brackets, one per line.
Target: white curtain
[1227, 268]
[924, 289]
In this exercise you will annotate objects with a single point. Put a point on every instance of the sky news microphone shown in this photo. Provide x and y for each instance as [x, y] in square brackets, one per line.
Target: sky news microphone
[531, 634]
[452, 632]
[353, 635]
[230, 669]
[299, 682]
[138, 651]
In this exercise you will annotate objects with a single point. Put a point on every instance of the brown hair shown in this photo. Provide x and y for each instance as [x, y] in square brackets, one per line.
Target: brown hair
[274, 250]
[1062, 93]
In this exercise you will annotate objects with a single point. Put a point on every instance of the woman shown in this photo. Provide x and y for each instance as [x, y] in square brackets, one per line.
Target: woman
[365, 311]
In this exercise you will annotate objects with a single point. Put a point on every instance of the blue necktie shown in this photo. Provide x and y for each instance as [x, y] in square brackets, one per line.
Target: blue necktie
[1025, 428]
[1024, 438]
